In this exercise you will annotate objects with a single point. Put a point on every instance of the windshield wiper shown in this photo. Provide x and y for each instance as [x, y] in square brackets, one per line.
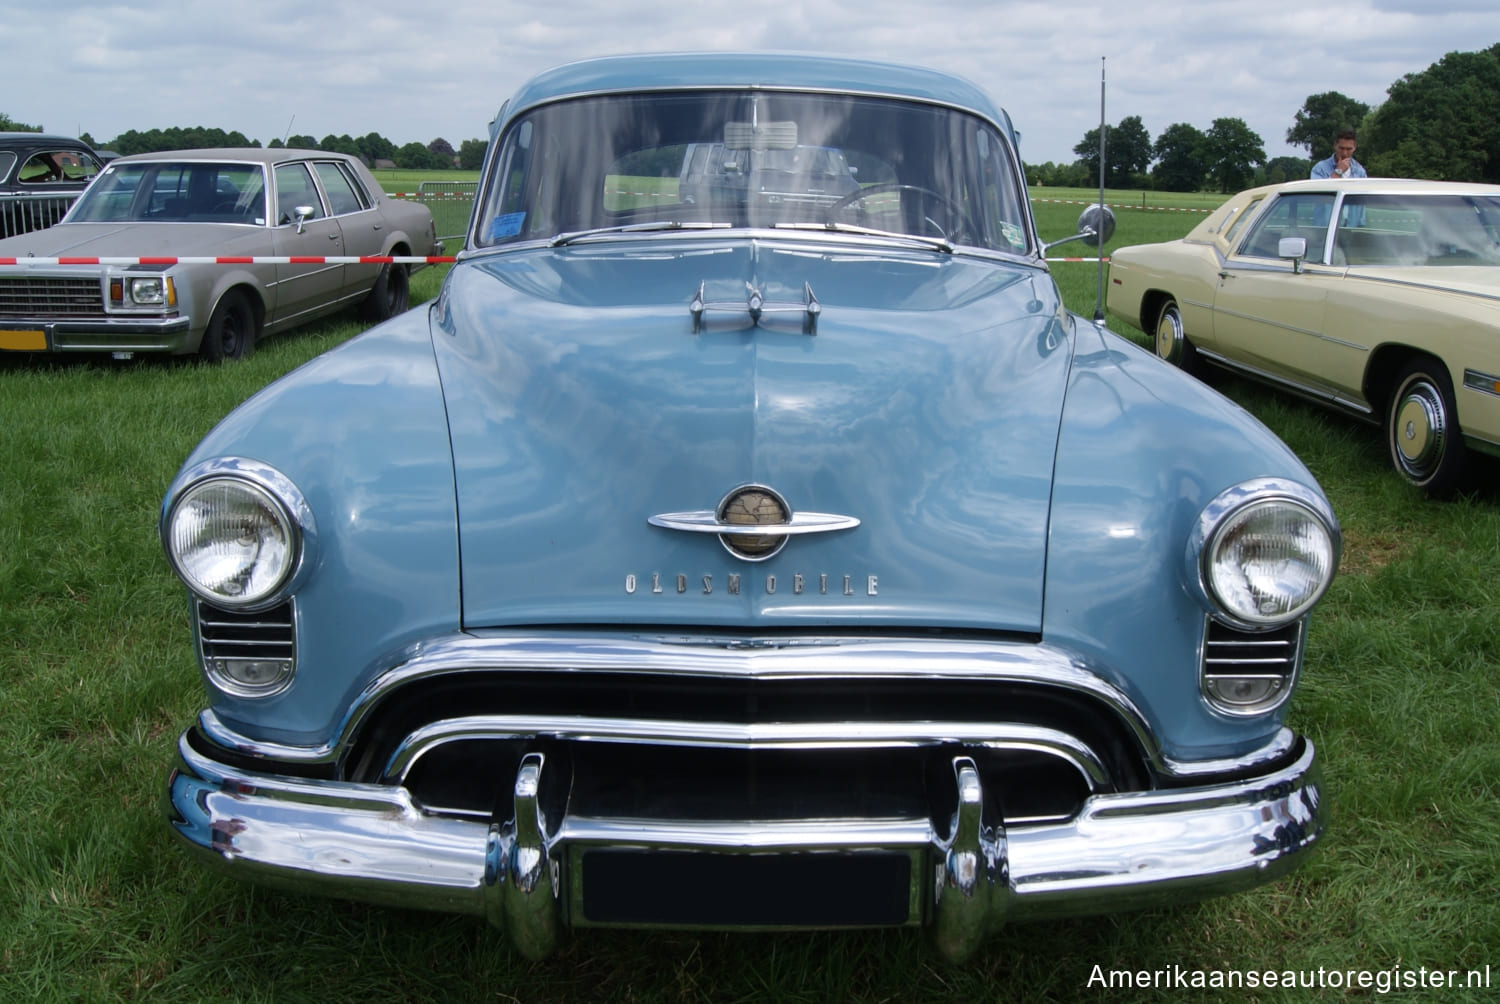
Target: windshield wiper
[850, 228]
[637, 228]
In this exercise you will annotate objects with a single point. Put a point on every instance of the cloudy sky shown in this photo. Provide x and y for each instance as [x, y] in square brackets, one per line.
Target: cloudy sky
[415, 71]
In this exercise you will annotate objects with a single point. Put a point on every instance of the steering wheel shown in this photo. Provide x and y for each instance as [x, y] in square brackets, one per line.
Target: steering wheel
[958, 217]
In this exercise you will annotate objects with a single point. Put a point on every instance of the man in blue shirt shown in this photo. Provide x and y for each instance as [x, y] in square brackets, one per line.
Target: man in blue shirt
[1342, 164]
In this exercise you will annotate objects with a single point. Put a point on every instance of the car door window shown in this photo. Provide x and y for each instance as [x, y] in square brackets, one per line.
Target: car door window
[51, 166]
[1292, 216]
[1402, 230]
[294, 189]
[342, 196]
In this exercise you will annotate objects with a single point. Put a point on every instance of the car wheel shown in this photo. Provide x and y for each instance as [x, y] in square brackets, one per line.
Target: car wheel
[1171, 339]
[390, 295]
[231, 330]
[1427, 447]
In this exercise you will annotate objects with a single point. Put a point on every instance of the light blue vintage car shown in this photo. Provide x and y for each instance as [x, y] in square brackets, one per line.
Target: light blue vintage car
[782, 562]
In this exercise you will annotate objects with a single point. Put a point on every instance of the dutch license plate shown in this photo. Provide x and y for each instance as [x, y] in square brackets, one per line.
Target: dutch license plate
[23, 341]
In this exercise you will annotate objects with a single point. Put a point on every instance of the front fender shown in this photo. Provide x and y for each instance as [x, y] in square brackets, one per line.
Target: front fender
[361, 431]
[1143, 449]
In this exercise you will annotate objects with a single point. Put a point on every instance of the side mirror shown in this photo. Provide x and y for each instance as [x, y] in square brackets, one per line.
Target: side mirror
[1096, 225]
[1293, 249]
[304, 213]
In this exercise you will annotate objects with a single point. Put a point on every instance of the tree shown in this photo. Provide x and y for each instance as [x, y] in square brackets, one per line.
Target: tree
[339, 144]
[443, 150]
[416, 157]
[373, 147]
[1321, 117]
[8, 124]
[1286, 169]
[1127, 152]
[1442, 124]
[176, 138]
[1231, 151]
[301, 143]
[1180, 165]
[471, 154]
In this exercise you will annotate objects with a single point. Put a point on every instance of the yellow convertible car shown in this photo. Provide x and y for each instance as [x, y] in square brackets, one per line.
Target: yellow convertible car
[1379, 297]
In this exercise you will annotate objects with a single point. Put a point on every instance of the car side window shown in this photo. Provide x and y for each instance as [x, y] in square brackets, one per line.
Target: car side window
[342, 195]
[294, 189]
[50, 166]
[1239, 221]
[1302, 215]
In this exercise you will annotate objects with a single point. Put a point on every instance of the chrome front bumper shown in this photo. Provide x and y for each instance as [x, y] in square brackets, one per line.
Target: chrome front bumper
[959, 871]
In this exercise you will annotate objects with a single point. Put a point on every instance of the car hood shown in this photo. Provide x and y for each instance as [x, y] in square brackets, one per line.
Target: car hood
[143, 240]
[925, 404]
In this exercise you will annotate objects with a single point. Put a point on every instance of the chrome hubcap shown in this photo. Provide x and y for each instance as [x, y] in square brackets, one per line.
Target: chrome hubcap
[1420, 427]
[1168, 336]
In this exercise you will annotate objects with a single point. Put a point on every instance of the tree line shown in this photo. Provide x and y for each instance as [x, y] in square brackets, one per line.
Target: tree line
[372, 147]
[1442, 124]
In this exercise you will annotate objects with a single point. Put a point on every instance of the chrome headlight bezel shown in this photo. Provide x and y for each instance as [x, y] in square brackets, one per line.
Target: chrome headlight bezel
[131, 292]
[1230, 513]
[282, 509]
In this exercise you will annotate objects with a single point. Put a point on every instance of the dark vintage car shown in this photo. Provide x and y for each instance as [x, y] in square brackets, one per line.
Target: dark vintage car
[40, 176]
[683, 568]
[225, 227]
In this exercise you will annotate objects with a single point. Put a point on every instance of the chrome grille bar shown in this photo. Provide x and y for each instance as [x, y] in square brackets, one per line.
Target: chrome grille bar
[26, 296]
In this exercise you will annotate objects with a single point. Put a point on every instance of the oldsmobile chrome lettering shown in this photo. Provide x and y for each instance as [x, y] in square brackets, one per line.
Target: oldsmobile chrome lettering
[733, 584]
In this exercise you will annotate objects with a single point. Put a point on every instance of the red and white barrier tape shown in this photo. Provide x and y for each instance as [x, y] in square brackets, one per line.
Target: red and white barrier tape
[242, 260]
[1125, 205]
[276, 260]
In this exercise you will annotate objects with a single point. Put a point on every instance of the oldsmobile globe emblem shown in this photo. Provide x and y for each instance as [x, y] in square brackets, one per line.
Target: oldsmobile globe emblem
[753, 522]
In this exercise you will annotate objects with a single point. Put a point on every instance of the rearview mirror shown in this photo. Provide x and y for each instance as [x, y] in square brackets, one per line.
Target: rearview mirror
[760, 135]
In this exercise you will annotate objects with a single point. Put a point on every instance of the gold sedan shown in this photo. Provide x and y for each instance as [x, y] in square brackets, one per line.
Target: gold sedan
[1378, 297]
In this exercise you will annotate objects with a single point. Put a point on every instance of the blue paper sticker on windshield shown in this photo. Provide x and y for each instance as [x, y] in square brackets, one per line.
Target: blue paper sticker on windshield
[506, 226]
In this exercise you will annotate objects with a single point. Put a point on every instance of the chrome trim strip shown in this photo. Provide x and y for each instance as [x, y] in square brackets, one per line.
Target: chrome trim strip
[1359, 409]
[707, 521]
[1485, 383]
[371, 842]
[729, 735]
[737, 657]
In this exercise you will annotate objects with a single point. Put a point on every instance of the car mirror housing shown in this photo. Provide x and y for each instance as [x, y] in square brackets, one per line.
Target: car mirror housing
[1294, 249]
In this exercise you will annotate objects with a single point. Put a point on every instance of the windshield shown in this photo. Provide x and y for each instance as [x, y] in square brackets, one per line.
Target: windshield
[188, 191]
[754, 159]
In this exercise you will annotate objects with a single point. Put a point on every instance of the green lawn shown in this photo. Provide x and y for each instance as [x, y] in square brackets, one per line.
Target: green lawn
[97, 679]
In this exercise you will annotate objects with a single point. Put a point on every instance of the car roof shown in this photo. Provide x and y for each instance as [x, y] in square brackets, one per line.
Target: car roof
[12, 140]
[1393, 186]
[252, 154]
[740, 70]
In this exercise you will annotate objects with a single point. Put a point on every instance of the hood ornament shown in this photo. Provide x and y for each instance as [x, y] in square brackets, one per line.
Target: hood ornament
[756, 305]
[753, 522]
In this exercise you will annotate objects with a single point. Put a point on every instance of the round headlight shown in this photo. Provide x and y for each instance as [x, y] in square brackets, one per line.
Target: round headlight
[1267, 562]
[231, 541]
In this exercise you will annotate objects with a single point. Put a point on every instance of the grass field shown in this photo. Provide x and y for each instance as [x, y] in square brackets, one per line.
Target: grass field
[97, 679]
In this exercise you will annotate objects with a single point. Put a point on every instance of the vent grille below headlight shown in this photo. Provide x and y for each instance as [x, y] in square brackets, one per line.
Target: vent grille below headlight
[248, 654]
[1250, 672]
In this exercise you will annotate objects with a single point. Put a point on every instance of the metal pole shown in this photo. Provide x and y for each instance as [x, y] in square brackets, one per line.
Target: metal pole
[1099, 298]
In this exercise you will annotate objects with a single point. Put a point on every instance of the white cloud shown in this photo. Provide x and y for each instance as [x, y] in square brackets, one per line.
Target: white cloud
[417, 72]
